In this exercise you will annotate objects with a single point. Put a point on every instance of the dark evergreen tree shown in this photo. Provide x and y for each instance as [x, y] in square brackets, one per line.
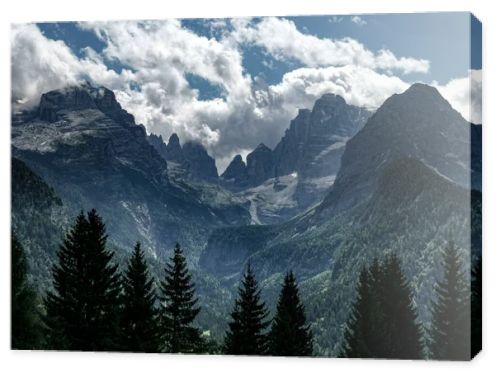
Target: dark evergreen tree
[402, 332]
[290, 335]
[358, 333]
[246, 334]
[26, 327]
[179, 309]
[138, 319]
[82, 310]
[477, 307]
[383, 321]
[450, 328]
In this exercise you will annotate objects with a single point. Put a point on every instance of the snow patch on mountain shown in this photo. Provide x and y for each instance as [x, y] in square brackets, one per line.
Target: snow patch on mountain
[271, 199]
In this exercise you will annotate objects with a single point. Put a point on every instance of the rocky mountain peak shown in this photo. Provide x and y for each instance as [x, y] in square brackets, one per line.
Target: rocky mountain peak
[260, 164]
[56, 103]
[236, 170]
[419, 124]
[198, 163]
[173, 150]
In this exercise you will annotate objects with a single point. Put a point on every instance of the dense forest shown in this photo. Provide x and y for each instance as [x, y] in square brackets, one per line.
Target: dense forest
[93, 306]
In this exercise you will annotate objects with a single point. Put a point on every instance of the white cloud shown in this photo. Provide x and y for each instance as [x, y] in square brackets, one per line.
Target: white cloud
[282, 39]
[39, 64]
[465, 95]
[358, 86]
[159, 55]
[358, 20]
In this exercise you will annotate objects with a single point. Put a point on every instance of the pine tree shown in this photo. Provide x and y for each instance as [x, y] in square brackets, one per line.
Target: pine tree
[358, 332]
[383, 321]
[139, 330]
[400, 316]
[82, 310]
[477, 308]
[290, 336]
[179, 308]
[26, 327]
[450, 329]
[246, 334]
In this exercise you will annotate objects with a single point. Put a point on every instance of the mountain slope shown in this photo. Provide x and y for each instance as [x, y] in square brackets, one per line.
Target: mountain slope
[403, 187]
[85, 146]
[302, 167]
[418, 123]
[38, 220]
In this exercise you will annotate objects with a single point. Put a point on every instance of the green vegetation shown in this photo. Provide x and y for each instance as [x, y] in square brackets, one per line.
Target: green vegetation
[178, 308]
[139, 315]
[383, 322]
[94, 307]
[246, 334]
[26, 325]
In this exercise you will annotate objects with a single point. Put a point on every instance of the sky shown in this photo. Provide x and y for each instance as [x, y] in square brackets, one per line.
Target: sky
[234, 83]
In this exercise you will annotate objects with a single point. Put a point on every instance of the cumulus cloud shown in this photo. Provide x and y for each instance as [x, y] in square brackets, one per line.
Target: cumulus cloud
[281, 38]
[359, 86]
[465, 95]
[40, 64]
[158, 55]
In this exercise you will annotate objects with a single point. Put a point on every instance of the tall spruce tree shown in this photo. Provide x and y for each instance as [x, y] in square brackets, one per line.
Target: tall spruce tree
[383, 321]
[138, 319]
[477, 307]
[358, 332]
[290, 335]
[246, 334]
[179, 309]
[82, 310]
[400, 317]
[450, 329]
[26, 326]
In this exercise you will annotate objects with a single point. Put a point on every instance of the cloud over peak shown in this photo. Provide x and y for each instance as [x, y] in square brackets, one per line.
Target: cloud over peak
[155, 58]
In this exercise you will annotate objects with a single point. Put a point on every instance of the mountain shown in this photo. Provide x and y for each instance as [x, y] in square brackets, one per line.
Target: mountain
[418, 123]
[198, 162]
[297, 174]
[314, 143]
[84, 145]
[236, 171]
[38, 218]
[190, 160]
[403, 187]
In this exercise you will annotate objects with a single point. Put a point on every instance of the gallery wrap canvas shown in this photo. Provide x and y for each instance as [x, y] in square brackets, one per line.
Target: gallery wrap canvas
[304, 186]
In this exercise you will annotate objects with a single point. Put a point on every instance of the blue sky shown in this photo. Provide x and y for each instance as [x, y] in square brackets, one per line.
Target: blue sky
[231, 84]
[438, 37]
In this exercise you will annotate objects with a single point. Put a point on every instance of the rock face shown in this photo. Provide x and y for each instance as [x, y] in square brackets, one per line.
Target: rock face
[306, 160]
[292, 144]
[84, 145]
[198, 163]
[315, 141]
[418, 123]
[55, 104]
[159, 144]
[260, 165]
[174, 150]
[312, 146]
[236, 171]
[190, 160]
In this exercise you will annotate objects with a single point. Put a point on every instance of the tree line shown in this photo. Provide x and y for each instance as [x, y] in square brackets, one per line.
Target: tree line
[384, 322]
[94, 307]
